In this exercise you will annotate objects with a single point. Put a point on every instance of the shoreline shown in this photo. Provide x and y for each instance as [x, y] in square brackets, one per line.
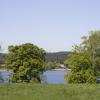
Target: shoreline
[61, 69]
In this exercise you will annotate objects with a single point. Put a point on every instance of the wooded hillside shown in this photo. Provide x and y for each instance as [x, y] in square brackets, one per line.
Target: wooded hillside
[59, 57]
[2, 57]
[55, 56]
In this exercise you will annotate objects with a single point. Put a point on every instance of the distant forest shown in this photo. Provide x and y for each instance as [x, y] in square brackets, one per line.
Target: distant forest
[2, 57]
[58, 57]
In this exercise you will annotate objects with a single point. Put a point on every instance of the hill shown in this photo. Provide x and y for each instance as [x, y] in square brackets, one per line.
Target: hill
[57, 56]
[2, 57]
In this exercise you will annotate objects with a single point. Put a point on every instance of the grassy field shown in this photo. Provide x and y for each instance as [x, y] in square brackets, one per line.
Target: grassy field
[49, 92]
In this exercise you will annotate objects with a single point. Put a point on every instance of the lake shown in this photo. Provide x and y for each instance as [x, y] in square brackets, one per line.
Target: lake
[55, 76]
[5, 75]
[49, 77]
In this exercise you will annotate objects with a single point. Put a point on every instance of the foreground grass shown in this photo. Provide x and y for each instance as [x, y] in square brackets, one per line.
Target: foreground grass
[49, 92]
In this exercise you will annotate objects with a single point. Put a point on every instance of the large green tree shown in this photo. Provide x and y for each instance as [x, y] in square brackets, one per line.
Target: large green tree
[26, 61]
[84, 60]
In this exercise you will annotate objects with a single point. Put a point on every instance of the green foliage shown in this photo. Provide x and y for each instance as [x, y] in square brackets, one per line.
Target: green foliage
[58, 57]
[50, 65]
[26, 61]
[84, 61]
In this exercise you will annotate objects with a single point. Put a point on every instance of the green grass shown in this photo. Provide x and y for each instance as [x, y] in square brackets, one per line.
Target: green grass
[49, 92]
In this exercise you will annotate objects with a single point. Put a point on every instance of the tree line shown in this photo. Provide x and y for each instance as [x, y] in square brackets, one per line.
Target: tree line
[27, 61]
[58, 57]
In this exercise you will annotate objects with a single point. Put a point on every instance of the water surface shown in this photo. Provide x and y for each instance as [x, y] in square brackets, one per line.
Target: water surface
[55, 76]
[49, 77]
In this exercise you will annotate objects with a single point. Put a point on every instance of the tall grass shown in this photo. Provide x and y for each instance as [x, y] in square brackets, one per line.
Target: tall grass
[49, 92]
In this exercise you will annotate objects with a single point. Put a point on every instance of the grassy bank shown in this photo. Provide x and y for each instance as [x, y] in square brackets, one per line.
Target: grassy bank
[49, 92]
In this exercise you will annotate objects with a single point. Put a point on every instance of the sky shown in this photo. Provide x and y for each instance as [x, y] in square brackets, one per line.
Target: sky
[55, 25]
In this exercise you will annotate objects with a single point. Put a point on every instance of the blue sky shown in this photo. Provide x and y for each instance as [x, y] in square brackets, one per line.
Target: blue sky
[54, 25]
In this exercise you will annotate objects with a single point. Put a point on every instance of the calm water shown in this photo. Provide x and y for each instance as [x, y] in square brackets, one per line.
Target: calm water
[49, 77]
[4, 76]
[55, 76]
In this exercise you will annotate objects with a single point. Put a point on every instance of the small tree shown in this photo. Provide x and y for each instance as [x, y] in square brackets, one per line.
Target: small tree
[26, 61]
[50, 65]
